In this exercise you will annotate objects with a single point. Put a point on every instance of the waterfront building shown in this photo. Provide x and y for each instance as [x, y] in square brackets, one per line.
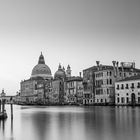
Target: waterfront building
[74, 90]
[104, 84]
[57, 91]
[107, 75]
[44, 91]
[41, 87]
[28, 91]
[89, 85]
[32, 90]
[58, 85]
[89, 82]
[127, 91]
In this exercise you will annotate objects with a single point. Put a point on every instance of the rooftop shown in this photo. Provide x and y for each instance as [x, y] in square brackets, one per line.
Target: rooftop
[137, 77]
[75, 78]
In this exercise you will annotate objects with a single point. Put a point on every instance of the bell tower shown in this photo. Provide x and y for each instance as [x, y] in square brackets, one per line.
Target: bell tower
[68, 71]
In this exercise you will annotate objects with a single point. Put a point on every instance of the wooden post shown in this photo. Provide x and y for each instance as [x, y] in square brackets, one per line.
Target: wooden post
[0, 105]
[3, 105]
[11, 111]
[12, 127]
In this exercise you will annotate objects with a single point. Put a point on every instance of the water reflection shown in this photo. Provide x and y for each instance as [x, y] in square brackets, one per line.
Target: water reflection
[128, 122]
[54, 125]
[72, 123]
[2, 127]
[12, 138]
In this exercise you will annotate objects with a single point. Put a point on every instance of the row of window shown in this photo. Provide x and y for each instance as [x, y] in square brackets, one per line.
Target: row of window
[101, 100]
[71, 84]
[87, 96]
[125, 100]
[100, 91]
[128, 94]
[99, 75]
[100, 82]
[126, 86]
[109, 73]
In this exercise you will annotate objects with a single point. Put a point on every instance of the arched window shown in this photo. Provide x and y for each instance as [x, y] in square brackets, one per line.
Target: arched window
[101, 100]
[110, 81]
[107, 91]
[122, 87]
[107, 81]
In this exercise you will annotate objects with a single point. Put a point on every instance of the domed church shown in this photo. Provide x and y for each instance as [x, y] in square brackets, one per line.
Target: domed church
[41, 87]
[41, 70]
[34, 89]
[60, 73]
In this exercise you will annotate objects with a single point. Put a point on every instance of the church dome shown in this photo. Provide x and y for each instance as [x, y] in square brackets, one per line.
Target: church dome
[60, 73]
[41, 69]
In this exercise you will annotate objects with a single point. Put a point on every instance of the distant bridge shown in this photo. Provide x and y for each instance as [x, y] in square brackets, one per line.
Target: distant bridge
[7, 99]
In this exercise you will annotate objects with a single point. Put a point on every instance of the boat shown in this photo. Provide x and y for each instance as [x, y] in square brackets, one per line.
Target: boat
[3, 115]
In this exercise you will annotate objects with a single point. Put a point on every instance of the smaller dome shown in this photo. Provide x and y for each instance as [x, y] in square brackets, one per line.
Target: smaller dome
[60, 73]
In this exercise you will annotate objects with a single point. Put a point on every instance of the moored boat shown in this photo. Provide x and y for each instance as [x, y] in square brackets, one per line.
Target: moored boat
[3, 115]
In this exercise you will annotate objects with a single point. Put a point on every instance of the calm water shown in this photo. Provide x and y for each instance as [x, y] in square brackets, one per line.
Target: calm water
[71, 123]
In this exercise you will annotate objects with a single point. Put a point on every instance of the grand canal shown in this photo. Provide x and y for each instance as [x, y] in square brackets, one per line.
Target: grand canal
[71, 123]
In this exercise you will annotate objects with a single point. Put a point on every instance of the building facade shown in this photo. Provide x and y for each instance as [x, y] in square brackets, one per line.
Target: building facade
[92, 82]
[105, 78]
[104, 85]
[127, 91]
[42, 88]
[89, 85]
[34, 90]
[74, 90]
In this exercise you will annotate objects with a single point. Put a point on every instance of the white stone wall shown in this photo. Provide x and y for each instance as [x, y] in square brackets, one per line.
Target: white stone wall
[127, 93]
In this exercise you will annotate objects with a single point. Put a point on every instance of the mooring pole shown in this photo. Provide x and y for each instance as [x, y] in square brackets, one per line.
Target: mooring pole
[11, 111]
[3, 105]
[0, 105]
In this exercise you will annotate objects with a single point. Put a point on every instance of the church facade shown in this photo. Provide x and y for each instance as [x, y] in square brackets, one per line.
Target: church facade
[42, 87]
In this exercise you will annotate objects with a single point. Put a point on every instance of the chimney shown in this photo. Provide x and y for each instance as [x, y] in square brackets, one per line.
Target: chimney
[117, 63]
[98, 64]
[114, 63]
[133, 64]
[101, 66]
[80, 74]
[114, 67]
[122, 70]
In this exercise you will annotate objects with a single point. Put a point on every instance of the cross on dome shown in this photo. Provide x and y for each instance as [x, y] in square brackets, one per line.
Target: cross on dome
[41, 59]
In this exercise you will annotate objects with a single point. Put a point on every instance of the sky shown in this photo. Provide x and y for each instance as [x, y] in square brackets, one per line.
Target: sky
[74, 32]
